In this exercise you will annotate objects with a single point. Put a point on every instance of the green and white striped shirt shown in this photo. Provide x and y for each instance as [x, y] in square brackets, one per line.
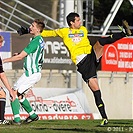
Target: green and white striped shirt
[33, 61]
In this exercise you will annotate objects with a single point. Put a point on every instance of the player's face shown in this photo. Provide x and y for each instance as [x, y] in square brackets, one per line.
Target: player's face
[77, 23]
[34, 29]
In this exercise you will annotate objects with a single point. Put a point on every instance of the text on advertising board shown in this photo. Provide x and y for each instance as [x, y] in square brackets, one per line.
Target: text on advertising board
[118, 56]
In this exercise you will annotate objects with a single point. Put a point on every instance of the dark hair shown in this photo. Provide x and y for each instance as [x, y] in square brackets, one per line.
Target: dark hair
[40, 24]
[71, 17]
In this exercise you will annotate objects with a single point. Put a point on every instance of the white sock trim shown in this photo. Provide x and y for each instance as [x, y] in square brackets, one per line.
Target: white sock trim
[31, 113]
[22, 100]
[3, 99]
[17, 115]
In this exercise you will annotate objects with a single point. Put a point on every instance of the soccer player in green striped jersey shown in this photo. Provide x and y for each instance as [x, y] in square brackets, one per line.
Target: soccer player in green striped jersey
[33, 56]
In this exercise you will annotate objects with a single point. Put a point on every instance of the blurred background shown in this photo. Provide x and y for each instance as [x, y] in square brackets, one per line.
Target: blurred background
[94, 13]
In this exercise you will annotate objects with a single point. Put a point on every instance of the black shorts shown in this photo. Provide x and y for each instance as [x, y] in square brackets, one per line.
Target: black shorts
[88, 66]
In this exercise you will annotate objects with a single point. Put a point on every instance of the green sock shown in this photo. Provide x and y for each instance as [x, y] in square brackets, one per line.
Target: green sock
[15, 109]
[26, 105]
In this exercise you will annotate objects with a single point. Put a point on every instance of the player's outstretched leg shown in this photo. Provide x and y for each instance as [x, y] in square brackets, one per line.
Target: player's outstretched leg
[98, 46]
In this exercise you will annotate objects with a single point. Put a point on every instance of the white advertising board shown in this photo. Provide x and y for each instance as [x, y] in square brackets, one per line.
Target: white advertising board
[55, 103]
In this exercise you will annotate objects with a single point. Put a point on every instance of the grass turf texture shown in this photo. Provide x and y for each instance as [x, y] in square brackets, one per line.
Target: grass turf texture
[70, 126]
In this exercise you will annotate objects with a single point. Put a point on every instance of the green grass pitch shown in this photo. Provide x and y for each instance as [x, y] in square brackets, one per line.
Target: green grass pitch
[70, 126]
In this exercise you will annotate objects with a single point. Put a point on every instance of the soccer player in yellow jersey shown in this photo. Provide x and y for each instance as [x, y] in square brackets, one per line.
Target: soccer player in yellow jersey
[85, 57]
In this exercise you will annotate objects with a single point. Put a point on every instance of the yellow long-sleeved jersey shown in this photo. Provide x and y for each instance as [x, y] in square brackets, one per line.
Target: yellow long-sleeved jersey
[75, 39]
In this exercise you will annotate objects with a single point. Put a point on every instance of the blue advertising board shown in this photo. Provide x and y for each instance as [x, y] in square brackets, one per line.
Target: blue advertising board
[6, 44]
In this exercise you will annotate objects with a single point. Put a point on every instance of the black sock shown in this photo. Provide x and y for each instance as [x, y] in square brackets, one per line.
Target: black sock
[99, 103]
[2, 108]
[111, 39]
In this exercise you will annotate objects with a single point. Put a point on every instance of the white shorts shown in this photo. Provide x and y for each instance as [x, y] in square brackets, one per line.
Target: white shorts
[24, 82]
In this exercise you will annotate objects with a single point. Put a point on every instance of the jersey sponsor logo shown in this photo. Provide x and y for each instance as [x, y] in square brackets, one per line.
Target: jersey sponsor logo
[76, 35]
[76, 38]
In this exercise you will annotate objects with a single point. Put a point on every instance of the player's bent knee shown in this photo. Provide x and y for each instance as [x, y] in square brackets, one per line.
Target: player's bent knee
[2, 94]
[20, 96]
